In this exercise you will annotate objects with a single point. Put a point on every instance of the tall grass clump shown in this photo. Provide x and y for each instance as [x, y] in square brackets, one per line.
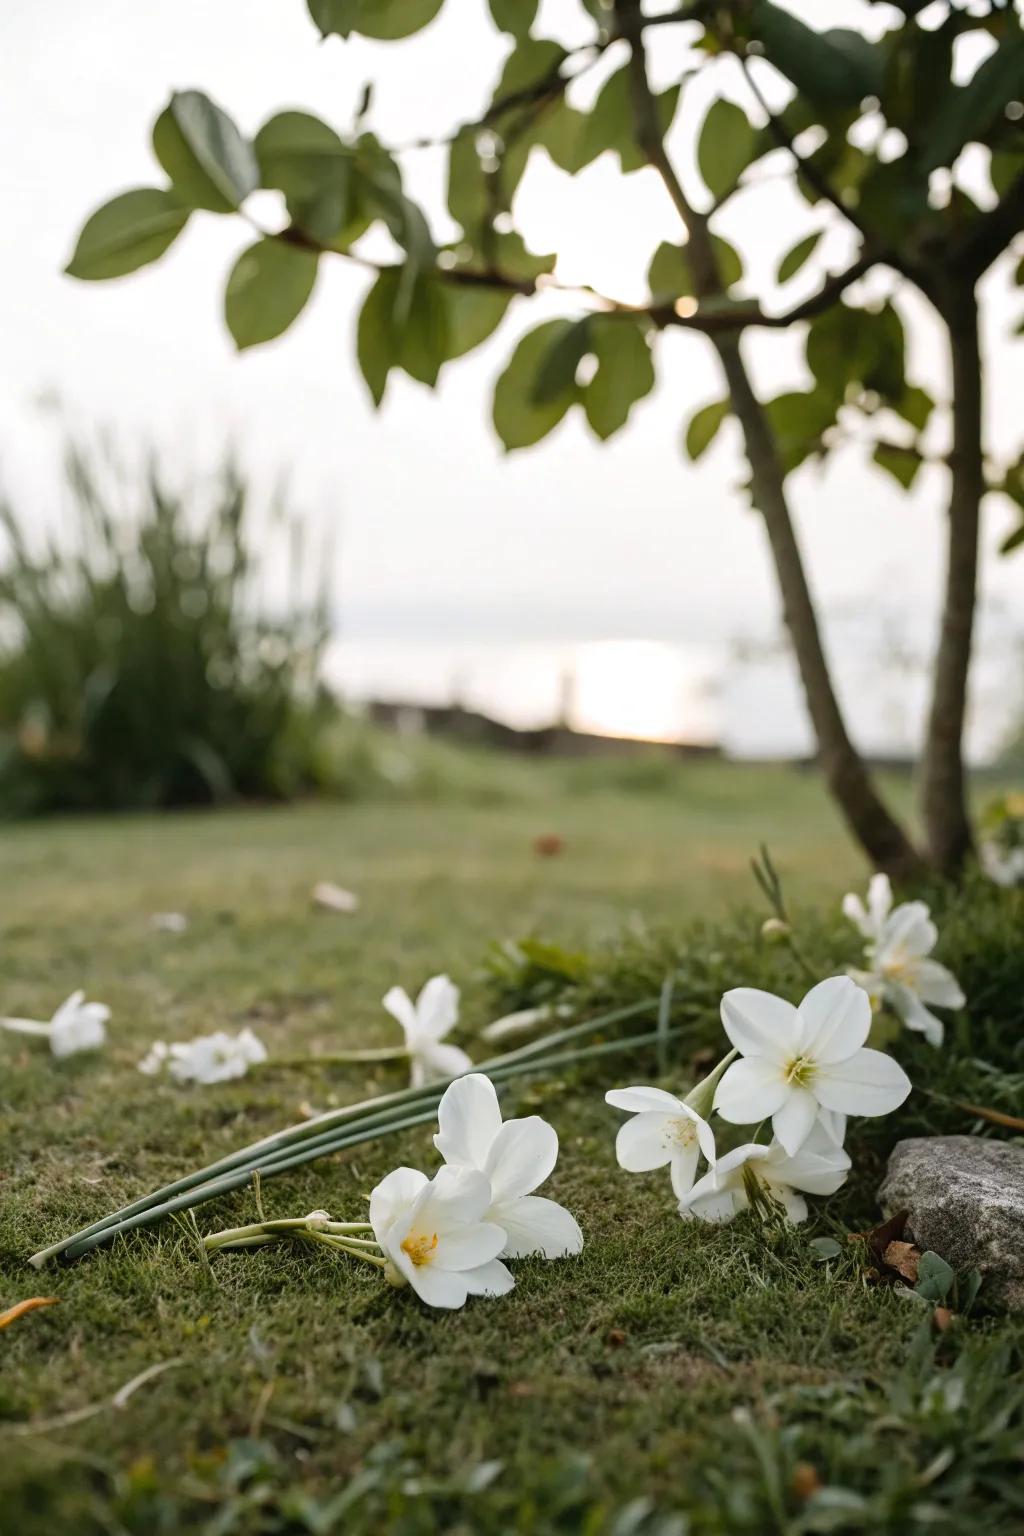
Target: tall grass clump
[140, 664]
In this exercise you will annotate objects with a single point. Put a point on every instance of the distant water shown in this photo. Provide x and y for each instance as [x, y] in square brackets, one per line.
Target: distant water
[747, 699]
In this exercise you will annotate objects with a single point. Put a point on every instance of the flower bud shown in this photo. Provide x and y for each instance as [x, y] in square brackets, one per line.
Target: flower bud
[316, 1221]
[774, 930]
[394, 1277]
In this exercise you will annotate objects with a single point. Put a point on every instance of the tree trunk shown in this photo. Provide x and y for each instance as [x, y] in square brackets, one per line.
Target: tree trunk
[944, 789]
[846, 775]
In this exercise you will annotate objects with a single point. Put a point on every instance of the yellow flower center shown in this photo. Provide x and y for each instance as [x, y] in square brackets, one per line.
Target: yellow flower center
[800, 1072]
[899, 967]
[420, 1247]
[683, 1132]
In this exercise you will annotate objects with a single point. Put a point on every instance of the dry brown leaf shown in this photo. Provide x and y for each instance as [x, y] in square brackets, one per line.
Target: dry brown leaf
[904, 1259]
[548, 845]
[806, 1481]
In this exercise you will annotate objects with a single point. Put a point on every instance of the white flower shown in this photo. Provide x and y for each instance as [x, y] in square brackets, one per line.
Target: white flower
[899, 973]
[435, 1233]
[1003, 865]
[215, 1058]
[663, 1130]
[334, 897]
[168, 922]
[426, 1022]
[78, 1026]
[798, 1061]
[870, 919]
[819, 1168]
[155, 1058]
[515, 1157]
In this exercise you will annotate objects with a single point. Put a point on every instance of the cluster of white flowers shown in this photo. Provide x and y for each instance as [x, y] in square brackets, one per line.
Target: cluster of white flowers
[215, 1058]
[899, 973]
[804, 1069]
[447, 1236]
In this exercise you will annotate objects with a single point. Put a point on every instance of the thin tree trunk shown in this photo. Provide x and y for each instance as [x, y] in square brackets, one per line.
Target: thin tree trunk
[944, 789]
[845, 772]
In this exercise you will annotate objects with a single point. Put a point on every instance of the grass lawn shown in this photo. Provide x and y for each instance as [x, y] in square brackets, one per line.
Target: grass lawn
[719, 1374]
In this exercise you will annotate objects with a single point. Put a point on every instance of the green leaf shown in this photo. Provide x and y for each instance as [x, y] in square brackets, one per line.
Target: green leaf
[821, 65]
[209, 162]
[794, 259]
[1012, 541]
[902, 463]
[1004, 169]
[560, 130]
[533, 61]
[376, 346]
[556, 375]
[267, 290]
[515, 16]
[609, 124]
[725, 147]
[474, 312]
[935, 1278]
[423, 336]
[383, 19]
[403, 324]
[306, 160]
[825, 1248]
[798, 419]
[704, 425]
[846, 345]
[518, 420]
[127, 233]
[624, 374]
[914, 405]
[670, 275]
[973, 108]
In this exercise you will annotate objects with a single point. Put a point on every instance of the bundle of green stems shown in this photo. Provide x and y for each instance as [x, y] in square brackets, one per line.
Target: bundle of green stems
[336, 1130]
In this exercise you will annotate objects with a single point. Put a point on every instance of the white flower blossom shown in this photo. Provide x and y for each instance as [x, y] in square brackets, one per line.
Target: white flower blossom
[436, 1234]
[426, 1022]
[899, 972]
[515, 1157]
[798, 1061]
[1003, 865]
[78, 1026]
[664, 1130]
[216, 1058]
[753, 1172]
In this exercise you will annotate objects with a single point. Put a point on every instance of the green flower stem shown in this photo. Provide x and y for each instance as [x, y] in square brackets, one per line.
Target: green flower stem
[282, 1226]
[339, 1058]
[242, 1242]
[340, 1245]
[296, 1157]
[25, 1027]
[212, 1180]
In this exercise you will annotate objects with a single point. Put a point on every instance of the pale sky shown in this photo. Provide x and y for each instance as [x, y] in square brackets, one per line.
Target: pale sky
[442, 536]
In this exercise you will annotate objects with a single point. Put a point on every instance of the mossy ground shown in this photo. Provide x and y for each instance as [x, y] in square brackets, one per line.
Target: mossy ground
[672, 1374]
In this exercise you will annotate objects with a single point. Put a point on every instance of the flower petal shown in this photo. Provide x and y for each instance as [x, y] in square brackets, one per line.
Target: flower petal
[909, 929]
[637, 1100]
[437, 1007]
[751, 1090]
[760, 1024]
[938, 986]
[438, 1287]
[399, 1004]
[434, 1062]
[645, 1142]
[835, 1017]
[455, 1197]
[394, 1194]
[521, 1157]
[869, 1083]
[468, 1120]
[879, 899]
[467, 1247]
[491, 1279]
[683, 1167]
[535, 1225]
[794, 1122]
[794, 1205]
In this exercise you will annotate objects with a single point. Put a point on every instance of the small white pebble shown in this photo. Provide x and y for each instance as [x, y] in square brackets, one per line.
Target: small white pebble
[334, 897]
[169, 922]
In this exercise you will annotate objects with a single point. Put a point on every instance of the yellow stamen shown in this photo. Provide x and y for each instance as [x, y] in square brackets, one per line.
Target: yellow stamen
[800, 1072]
[420, 1247]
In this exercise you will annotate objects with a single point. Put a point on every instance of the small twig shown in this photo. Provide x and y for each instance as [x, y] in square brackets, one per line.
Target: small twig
[79, 1415]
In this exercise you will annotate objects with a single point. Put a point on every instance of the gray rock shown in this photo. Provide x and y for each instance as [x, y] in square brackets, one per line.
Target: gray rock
[966, 1202]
